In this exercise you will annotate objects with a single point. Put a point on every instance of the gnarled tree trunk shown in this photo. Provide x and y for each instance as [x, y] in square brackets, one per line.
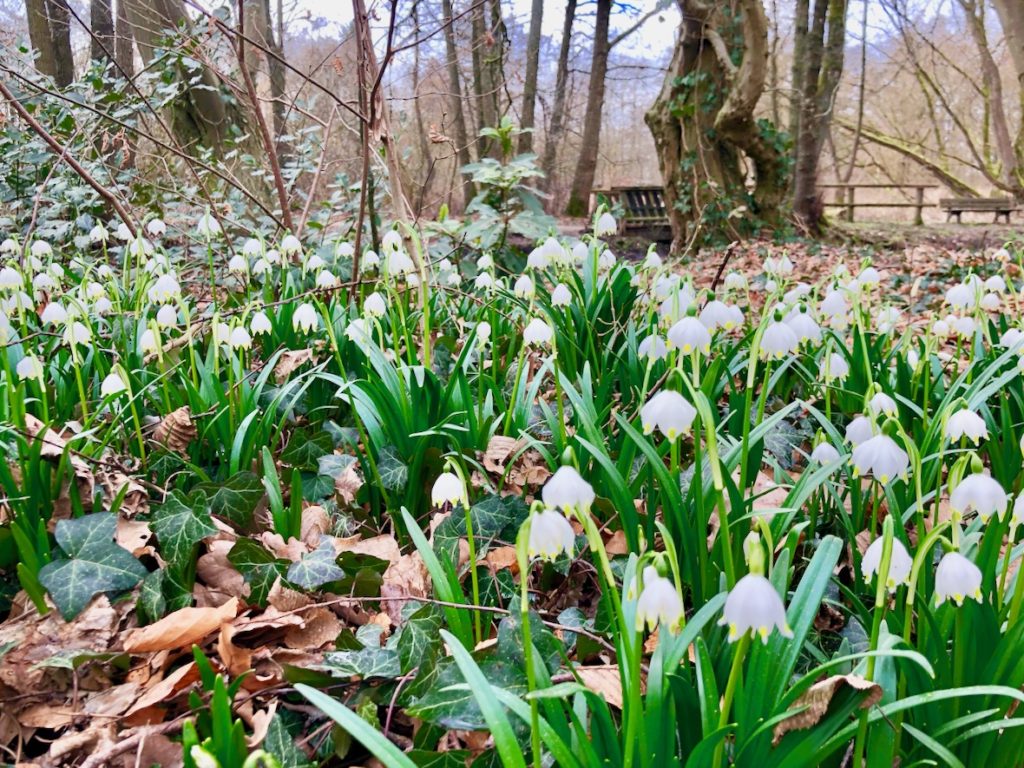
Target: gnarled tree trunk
[709, 144]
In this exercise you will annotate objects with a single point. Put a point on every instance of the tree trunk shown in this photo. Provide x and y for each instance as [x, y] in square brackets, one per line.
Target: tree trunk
[801, 12]
[1011, 19]
[49, 32]
[124, 42]
[586, 167]
[458, 115]
[530, 83]
[101, 23]
[556, 128]
[259, 27]
[705, 131]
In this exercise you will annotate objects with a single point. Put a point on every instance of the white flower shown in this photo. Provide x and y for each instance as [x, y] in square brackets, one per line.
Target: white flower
[580, 251]
[882, 403]
[887, 319]
[326, 280]
[824, 453]
[652, 260]
[900, 563]
[523, 287]
[167, 316]
[869, 276]
[804, 327]
[484, 281]
[370, 261]
[669, 413]
[156, 228]
[996, 284]
[41, 249]
[836, 367]
[240, 338]
[447, 489]
[261, 267]
[273, 256]
[778, 267]
[207, 227]
[99, 234]
[483, 332]
[252, 247]
[677, 303]
[10, 279]
[561, 296]
[653, 348]
[344, 250]
[29, 367]
[606, 260]
[290, 245]
[165, 289]
[941, 329]
[358, 333]
[550, 535]
[314, 263]
[485, 262]
[961, 296]
[778, 341]
[956, 578]
[375, 305]
[238, 265]
[659, 603]
[54, 314]
[44, 282]
[980, 493]
[990, 302]
[567, 491]
[220, 333]
[1012, 339]
[754, 606]
[881, 457]
[113, 385]
[537, 259]
[965, 326]
[965, 423]
[122, 231]
[718, 314]
[537, 333]
[690, 335]
[834, 305]
[305, 318]
[735, 281]
[9, 245]
[260, 324]
[391, 241]
[77, 333]
[1017, 518]
[103, 306]
[148, 342]
[400, 263]
[605, 225]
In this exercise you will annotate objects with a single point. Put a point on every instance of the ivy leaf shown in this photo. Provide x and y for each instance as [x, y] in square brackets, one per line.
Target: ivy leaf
[419, 641]
[95, 563]
[152, 604]
[280, 743]
[235, 500]
[449, 704]
[365, 663]
[180, 523]
[304, 450]
[317, 567]
[259, 568]
[394, 474]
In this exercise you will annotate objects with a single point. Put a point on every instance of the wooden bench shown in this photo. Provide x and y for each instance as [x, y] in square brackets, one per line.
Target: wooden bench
[643, 207]
[957, 206]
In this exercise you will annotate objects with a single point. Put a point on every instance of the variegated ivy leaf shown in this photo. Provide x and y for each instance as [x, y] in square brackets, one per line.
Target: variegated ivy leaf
[317, 567]
[180, 523]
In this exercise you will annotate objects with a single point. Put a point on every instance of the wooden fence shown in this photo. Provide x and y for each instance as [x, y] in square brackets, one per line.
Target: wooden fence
[845, 198]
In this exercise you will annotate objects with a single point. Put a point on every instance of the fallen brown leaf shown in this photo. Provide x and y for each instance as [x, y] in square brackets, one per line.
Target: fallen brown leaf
[179, 629]
[813, 704]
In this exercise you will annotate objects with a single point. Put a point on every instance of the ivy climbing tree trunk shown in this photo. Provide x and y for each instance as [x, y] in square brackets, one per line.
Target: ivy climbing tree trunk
[708, 141]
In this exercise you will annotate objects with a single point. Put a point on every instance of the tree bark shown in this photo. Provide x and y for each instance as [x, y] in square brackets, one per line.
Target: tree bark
[586, 168]
[456, 107]
[1011, 19]
[124, 42]
[101, 24]
[705, 129]
[530, 82]
[800, 26]
[50, 34]
[260, 29]
[556, 128]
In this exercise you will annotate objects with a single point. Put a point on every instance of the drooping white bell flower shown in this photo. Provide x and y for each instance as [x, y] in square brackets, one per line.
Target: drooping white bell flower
[653, 348]
[880, 457]
[113, 385]
[824, 453]
[305, 319]
[375, 305]
[290, 245]
[956, 579]
[260, 324]
[778, 341]
[676, 304]
[165, 289]
[836, 368]
[982, 494]
[804, 327]
[834, 305]
[778, 267]
[44, 282]
[537, 259]
[869, 276]
[99, 234]
[344, 250]
[11, 279]
[887, 319]
[961, 296]
[326, 280]
[659, 603]
[148, 342]
[753, 606]
[1017, 517]
[261, 267]
[605, 225]
[167, 316]
[483, 333]
[156, 227]
[689, 335]
[652, 260]
[941, 329]
[995, 284]
[484, 281]
[735, 281]
[550, 535]
[240, 338]
[370, 261]
[523, 287]
[41, 249]
[965, 327]
[568, 491]
[29, 367]
[314, 263]
[1012, 339]
[717, 314]
[358, 333]
[485, 262]
[391, 241]
[208, 227]
[990, 302]
[966, 423]
[77, 333]
[252, 247]
[669, 413]
[900, 563]
[54, 314]
[9, 246]
[447, 489]
[606, 260]
[537, 333]
[881, 403]
[238, 265]
[561, 296]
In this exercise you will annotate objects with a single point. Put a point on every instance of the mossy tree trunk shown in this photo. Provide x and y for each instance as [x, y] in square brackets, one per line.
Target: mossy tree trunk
[724, 173]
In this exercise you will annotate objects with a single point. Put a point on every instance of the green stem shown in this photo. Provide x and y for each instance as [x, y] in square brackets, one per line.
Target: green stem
[735, 673]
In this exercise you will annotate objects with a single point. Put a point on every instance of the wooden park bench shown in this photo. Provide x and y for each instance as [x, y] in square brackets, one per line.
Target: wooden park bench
[643, 207]
[957, 206]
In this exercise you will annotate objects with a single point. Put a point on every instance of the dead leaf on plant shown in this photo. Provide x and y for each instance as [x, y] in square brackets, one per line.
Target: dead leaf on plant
[813, 704]
[176, 430]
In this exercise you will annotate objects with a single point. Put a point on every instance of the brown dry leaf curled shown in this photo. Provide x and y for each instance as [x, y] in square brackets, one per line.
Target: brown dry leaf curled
[604, 680]
[180, 629]
[176, 430]
[814, 703]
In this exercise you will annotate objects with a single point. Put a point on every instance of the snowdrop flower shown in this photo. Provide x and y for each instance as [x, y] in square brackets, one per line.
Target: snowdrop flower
[29, 367]
[375, 306]
[803, 325]
[483, 333]
[659, 603]
[605, 225]
[207, 227]
[314, 263]
[165, 289]
[900, 563]
[980, 493]
[447, 489]
[550, 535]
[113, 385]
[966, 423]
[689, 335]
[273, 256]
[238, 265]
[869, 276]
[990, 302]
[77, 333]
[261, 267]
[956, 578]
[392, 241]
[965, 326]
[400, 263]
[485, 262]
[753, 606]
[961, 296]
[9, 246]
[260, 324]
[220, 333]
[412, 280]
[537, 259]
[453, 279]
[345, 250]
[778, 267]
[148, 342]
[824, 453]
[370, 261]
[538, 333]
[778, 341]
[652, 260]
[834, 305]
[568, 491]
[995, 284]
[718, 314]
[167, 316]
[102, 306]
[10, 279]
[887, 319]
[881, 457]
[359, 334]
[44, 283]
[561, 296]
[290, 245]
[54, 314]
[1012, 339]
[1017, 518]
[98, 234]
[735, 281]
[676, 303]
[941, 329]
[484, 281]
[240, 338]
[252, 247]
[156, 228]
[653, 348]
[325, 280]
[881, 403]
[41, 249]
[305, 319]
[836, 367]
[669, 413]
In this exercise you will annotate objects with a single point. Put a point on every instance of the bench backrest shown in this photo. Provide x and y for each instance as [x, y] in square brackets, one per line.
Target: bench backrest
[976, 203]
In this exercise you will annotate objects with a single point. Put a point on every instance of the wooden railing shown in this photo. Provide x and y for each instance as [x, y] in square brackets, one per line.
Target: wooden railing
[846, 198]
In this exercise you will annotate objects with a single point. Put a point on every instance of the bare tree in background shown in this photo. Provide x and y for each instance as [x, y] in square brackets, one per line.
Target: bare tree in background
[101, 24]
[530, 82]
[556, 127]
[50, 34]
[458, 116]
